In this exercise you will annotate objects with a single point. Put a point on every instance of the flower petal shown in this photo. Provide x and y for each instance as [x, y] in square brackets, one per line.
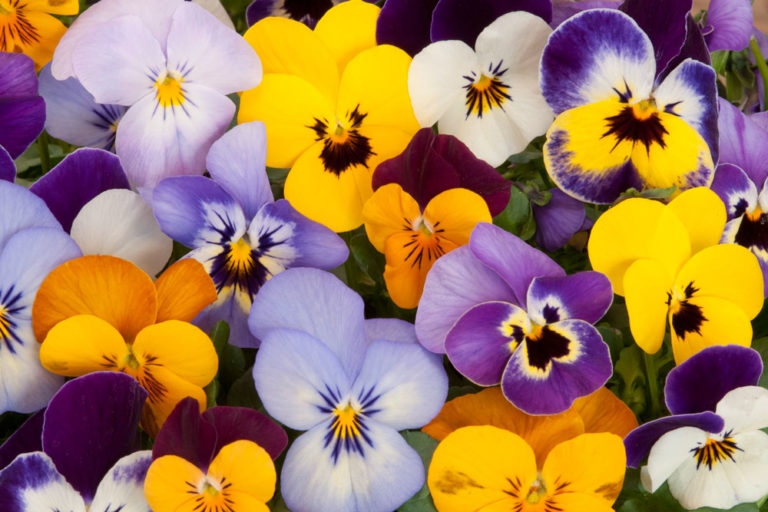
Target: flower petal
[731, 23]
[735, 189]
[392, 329]
[31, 482]
[744, 409]
[21, 210]
[742, 141]
[27, 438]
[567, 296]
[185, 434]
[558, 220]
[249, 470]
[668, 453]
[602, 411]
[704, 216]
[123, 485]
[236, 423]
[348, 29]
[385, 212]
[183, 290]
[7, 167]
[166, 486]
[21, 121]
[405, 24]
[646, 289]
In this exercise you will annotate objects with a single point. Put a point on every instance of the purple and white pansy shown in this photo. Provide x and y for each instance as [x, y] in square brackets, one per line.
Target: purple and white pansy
[236, 229]
[506, 313]
[352, 384]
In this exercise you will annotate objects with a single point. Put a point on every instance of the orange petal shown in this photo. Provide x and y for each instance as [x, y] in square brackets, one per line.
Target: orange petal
[110, 288]
[454, 213]
[390, 210]
[602, 411]
[183, 290]
[489, 407]
[165, 391]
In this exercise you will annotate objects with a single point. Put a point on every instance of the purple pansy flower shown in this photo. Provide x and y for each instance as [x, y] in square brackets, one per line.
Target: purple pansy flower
[506, 313]
[432, 164]
[558, 220]
[741, 182]
[31, 245]
[305, 11]
[352, 384]
[22, 111]
[236, 229]
[728, 24]
[564, 9]
[87, 458]
[711, 451]
[413, 24]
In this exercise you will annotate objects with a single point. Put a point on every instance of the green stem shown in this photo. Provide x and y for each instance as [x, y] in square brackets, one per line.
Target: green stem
[350, 266]
[761, 66]
[652, 375]
[45, 158]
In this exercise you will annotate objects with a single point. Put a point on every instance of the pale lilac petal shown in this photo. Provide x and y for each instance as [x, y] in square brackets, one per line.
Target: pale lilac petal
[729, 24]
[392, 329]
[584, 295]
[21, 209]
[743, 141]
[32, 484]
[122, 488]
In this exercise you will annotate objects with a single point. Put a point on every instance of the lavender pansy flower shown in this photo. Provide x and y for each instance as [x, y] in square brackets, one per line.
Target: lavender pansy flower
[711, 451]
[351, 384]
[31, 245]
[22, 111]
[728, 24]
[506, 313]
[88, 459]
[236, 229]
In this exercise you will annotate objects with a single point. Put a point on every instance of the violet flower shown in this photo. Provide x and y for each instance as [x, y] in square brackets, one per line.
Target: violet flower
[558, 220]
[728, 24]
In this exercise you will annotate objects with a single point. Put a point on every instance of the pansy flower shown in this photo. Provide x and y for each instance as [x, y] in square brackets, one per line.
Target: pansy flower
[426, 203]
[506, 313]
[727, 24]
[219, 459]
[558, 220]
[489, 96]
[305, 11]
[236, 229]
[26, 26]
[351, 384]
[664, 260]
[741, 182]
[31, 245]
[86, 457]
[103, 313]
[175, 86]
[711, 451]
[335, 106]
[617, 127]
[488, 468]
[22, 111]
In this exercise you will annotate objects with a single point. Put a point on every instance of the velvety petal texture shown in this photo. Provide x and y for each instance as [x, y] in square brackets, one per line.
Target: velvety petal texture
[22, 111]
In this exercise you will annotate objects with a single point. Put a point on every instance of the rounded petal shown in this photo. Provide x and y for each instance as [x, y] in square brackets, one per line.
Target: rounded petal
[21, 210]
[558, 220]
[166, 488]
[384, 212]
[405, 24]
[120, 223]
[238, 423]
[183, 290]
[583, 296]
[744, 409]
[348, 29]
[458, 211]
[123, 485]
[602, 411]
[646, 289]
[248, 468]
[7, 167]
[703, 214]
[392, 329]
[166, 389]
[731, 23]
[735, 189]
[21, 121]
[668, 453]
[186, 435]
[112, 289]
[31, 482]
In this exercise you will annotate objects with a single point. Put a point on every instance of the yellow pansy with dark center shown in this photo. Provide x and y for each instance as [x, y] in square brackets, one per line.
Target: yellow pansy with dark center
[686, 317]
[487, 91]
[637, 123]
[169, 90]
[343, 147]
[714, 451]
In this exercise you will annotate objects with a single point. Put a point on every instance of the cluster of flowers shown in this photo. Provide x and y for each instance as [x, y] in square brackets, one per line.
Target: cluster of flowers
[452, 247]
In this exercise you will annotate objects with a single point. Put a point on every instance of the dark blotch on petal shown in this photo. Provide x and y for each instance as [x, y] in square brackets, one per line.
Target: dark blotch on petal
[627, 126]
[545, 346]
[753, 232]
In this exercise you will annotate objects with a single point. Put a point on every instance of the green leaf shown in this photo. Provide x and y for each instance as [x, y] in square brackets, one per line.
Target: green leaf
[220, 335]
[425, 447]
[212, 392]
[719, 60]
[662, 500]
[629, 368]
[515, 216]
[761, 345]
[613, 338]
[242, 392]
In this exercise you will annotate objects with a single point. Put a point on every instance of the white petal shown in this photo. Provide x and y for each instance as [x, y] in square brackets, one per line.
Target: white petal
[517, 39]
[33, 480]
[120, 223]
[436, 79]
[670, 451]
[122, 488]
[744, 409]
[763, 197]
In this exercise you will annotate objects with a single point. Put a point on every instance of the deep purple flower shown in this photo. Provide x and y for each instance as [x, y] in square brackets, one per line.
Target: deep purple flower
[564, 9]
[558, 220]
[22, 111]
[305, 11]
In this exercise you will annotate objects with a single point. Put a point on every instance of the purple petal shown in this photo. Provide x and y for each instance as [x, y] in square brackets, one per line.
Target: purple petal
[235, 423]
[89, 424]
[729, 24]
[743, 141]
[568, 360]
[558, 220]
[32, 477]
[392, 329]
[701, 381]
[458, 19]
[27, 438]
[694, 47]
[665, 27]
[640, 441]
[405, 24]
[735, 189]
[478, 346]
[7, 167]
[564, 9]
[186, 435]
[457, 282]
[17, 75]
[510, 257]
[80, 177]
[229, 307]
[237, 162]
[21, 121]
[584, 296]
[257, 10]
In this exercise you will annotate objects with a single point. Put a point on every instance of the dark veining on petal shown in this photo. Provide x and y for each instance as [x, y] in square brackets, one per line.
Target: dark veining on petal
[9, 309]
[636, 124]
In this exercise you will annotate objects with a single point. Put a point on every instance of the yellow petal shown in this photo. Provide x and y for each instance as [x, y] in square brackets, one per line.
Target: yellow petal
[376, 82]
[703, 214]
[62, 7]
[454, 213]
[637, 229]
[727, 271]
[490, 407]
[183, 290]
[579, 502]
[248, 467]
[289, 106]
[471, 467]
[165, 390]
[347, 29]
[590, 464]
[290, 47]
[602, 411]
[724, 324]
[83, 344]
[180, 347]
[110, 288]
[646, 287]
[171, 484]
[390, 210]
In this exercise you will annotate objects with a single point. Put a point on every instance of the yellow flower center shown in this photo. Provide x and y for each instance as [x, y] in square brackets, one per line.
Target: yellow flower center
[486, 92]
[644, 109]
[169, 91]
[15, 29]
[715, 450]
[347, 422]
[536, 492]
[755, 214]
[5, 324]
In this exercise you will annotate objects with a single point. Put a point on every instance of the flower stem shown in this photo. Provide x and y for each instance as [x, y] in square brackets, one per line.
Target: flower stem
[45, 158]
[652, 375]
[761, 66]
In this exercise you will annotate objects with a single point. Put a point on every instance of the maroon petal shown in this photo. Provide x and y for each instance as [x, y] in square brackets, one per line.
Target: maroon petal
[236, 423]
[186, 435]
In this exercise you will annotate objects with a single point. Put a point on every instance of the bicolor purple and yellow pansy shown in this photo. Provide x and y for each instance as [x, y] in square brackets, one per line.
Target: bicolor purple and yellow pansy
[506, 313]
[351, 384]
[84, 450]
[665, 260]
[240, 234]
[617, 125]
[712, 451]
